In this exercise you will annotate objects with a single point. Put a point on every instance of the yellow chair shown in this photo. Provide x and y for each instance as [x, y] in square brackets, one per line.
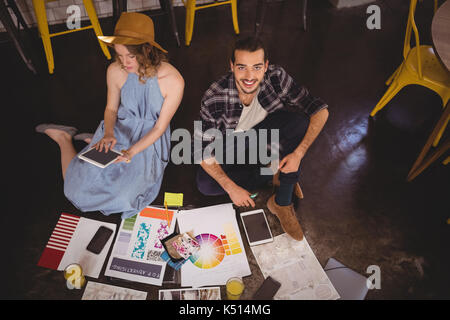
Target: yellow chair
[41, 17]
[191, 8]
[420, 66]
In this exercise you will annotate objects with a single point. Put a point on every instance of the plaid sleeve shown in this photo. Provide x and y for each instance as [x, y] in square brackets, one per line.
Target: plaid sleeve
[295, 96]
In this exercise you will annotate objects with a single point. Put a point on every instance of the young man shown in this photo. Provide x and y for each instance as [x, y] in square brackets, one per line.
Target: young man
[256, 95]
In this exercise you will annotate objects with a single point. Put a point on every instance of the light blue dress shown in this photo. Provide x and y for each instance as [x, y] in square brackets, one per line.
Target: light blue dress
[122, 187]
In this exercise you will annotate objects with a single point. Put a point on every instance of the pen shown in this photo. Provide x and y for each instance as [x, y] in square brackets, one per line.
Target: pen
[167, 213]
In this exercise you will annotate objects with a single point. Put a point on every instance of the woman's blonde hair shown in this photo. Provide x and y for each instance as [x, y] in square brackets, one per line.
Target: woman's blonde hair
[148, 57]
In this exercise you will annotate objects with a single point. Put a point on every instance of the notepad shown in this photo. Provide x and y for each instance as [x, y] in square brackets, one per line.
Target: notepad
[173, 199]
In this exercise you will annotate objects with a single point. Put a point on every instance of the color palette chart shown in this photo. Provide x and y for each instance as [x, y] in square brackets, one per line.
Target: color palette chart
[59, 241]
[211, 251]
[231, 241]
[221, 253]
[137, 250]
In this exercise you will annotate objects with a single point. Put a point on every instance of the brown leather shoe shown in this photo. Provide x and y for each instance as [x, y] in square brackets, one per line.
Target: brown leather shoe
[297, 190]
[288, 220]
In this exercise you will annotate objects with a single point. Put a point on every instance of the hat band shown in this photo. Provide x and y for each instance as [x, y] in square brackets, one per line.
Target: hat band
[135, 35]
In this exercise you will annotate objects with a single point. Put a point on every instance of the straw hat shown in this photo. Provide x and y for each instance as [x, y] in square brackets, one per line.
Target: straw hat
[133, 28]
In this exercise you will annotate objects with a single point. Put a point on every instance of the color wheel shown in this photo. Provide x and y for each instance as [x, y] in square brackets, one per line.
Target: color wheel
[211, 251]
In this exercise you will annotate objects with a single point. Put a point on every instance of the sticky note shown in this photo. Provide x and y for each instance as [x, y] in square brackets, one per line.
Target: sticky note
[173, 199]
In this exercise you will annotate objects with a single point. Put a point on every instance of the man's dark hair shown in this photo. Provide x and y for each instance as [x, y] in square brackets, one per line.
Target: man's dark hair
[250, 44]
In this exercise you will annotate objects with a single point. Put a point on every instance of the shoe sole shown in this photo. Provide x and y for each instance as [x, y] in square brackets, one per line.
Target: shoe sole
[42, 127]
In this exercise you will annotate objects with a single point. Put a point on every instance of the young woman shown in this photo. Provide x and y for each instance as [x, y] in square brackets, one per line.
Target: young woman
[144, 92]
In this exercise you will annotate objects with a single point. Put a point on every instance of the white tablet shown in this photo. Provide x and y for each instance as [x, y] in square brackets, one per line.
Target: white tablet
[256, 227]
[100, 159]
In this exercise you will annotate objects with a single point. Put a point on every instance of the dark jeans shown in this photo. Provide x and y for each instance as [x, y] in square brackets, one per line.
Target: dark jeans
[292, 128]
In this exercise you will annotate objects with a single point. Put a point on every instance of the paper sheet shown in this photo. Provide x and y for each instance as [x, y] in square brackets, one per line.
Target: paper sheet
[294, 265]
[211, 293]
[173, 199]
[222, 254]
[137, 250]
[68, 242]
[100, 291]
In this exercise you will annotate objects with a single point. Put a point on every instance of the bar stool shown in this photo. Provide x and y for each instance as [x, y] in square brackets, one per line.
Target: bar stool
[41, 16]
[120, 6]
[191, 8]
[14, 32]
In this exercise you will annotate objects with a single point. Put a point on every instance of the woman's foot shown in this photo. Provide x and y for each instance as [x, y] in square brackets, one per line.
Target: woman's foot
[58, 133]
[86, 137]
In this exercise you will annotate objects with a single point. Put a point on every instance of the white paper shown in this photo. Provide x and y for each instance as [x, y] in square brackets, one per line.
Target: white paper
[76, 252]
[136, 252]
[100, 291]
[294, 265]
[222, 254]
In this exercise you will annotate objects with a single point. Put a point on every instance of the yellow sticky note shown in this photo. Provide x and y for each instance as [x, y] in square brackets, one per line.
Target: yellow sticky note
[173, 199]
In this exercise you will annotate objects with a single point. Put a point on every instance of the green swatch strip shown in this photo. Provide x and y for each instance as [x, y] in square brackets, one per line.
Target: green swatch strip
[128, 224]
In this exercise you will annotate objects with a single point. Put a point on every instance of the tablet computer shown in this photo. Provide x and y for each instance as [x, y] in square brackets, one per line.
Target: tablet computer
[101, 159]
[256, 227]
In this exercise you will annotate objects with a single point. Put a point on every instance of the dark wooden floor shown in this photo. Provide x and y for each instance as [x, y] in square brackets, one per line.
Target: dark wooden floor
[358, 207]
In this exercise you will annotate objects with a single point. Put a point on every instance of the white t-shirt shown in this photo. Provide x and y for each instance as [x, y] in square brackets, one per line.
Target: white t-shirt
[251, 115]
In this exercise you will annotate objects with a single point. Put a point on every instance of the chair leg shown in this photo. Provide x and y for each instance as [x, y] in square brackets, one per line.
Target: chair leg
[304, 5]
[234, 15]
[96, 25]
[446, 161]
[441, 132]
[190, 16]
[8, 24]
[390, 93]
[41, 17]
[389, 81]
[261, 7]
[168, 8]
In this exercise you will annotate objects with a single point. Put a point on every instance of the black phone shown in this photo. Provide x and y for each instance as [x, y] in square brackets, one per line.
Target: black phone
[99, 240]
[267, 290]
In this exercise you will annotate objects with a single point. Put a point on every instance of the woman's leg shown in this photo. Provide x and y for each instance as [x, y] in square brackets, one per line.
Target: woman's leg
[64, 141]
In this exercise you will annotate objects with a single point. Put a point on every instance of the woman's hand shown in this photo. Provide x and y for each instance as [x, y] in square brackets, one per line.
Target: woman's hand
[108, 142]
[125, 157]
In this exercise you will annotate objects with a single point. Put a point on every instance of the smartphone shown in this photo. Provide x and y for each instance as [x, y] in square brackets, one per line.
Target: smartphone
[267, 290]
[256, 227]
[99, 240]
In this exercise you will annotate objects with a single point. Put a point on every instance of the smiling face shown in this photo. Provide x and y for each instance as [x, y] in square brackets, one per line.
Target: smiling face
[248, 69]
[127, 59]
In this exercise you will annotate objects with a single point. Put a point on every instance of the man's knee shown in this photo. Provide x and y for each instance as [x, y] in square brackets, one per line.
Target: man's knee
[207, 185]
[296, 125]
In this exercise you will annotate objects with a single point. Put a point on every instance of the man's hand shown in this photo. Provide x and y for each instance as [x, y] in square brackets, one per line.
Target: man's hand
[291, 162]
[240, 197]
